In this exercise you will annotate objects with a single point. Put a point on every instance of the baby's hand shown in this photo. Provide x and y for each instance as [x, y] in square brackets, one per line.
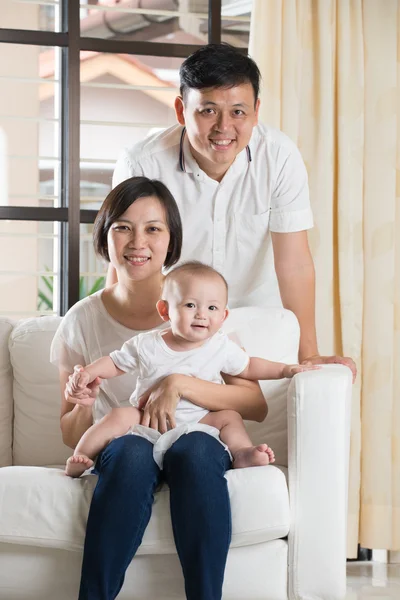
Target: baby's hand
[79, 379]
[291, 370]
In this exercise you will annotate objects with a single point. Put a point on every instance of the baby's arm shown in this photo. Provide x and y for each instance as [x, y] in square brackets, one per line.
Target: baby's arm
[103, 367]
[260, 368]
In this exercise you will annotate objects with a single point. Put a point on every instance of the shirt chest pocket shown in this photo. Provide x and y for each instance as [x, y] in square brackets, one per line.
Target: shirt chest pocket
[252, 229]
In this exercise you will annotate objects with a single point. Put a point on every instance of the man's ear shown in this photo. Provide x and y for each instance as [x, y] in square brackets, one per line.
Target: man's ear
[162, 307]
[257, 109]
[179, 110]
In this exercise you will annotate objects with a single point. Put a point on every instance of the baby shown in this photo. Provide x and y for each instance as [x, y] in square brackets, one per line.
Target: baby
[194, 300]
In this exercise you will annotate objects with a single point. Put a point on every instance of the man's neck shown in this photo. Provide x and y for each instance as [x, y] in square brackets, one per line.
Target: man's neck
[212, 170]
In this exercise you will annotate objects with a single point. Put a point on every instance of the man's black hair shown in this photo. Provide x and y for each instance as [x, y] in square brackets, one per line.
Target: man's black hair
[218, 65]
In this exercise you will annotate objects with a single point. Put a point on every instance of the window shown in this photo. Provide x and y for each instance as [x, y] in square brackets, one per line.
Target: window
[78, 82]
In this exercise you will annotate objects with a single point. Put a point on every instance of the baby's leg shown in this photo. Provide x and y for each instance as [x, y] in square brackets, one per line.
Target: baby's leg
[235, 436]
[115, 424]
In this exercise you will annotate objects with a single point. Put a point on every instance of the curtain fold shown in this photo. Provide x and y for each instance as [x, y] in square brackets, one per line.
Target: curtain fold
[331, 81]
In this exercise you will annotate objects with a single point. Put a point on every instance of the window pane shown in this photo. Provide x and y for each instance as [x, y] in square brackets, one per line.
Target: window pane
[92, 269]
[28, 268]
[29, 125]
[165, 21]
[30, 14]
[235, 22]
[123, 99]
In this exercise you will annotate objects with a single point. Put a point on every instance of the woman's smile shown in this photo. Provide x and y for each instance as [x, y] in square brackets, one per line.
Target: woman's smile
[137, 261]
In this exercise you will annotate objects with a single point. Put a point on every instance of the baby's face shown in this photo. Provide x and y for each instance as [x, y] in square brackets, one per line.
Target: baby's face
[197, 306]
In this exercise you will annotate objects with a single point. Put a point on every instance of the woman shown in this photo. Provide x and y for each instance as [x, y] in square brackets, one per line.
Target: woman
[138, 229]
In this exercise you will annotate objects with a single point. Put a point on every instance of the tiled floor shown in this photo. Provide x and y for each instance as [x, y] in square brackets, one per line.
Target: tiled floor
[366, 581]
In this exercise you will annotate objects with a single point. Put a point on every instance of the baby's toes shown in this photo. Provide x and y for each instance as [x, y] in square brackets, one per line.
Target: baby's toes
[263, 448]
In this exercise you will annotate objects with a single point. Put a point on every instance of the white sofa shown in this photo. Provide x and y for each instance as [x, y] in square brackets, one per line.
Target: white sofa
[288, 539]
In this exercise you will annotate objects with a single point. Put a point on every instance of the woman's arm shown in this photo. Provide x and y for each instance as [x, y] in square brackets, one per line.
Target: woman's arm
[74, 419]
[245, 397]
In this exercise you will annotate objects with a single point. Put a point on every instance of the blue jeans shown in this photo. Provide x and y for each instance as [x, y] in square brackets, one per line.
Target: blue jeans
[194, 469]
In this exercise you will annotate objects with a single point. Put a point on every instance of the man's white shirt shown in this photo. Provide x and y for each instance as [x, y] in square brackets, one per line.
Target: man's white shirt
[227, 225]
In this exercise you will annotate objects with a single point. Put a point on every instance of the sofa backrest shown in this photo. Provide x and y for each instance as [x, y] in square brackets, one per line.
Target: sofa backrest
[36, 437]
[274, 334]
[37, 396]
[6, 394]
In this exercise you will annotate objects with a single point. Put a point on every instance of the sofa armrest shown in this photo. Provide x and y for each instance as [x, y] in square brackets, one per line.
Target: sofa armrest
[319, 404]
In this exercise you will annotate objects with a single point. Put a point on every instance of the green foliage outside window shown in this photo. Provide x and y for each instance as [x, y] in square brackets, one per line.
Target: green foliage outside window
[45, 298]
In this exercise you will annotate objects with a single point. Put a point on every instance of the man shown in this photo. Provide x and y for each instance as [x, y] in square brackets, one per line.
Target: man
[241, 188]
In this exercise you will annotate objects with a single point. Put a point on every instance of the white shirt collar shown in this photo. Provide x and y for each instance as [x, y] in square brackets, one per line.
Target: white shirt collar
[188, 164]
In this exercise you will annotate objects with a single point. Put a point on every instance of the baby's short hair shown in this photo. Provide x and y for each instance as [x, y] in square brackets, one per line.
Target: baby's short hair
[193, 267]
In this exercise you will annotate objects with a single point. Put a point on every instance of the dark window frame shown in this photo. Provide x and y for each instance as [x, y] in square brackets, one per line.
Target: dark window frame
[71, 42]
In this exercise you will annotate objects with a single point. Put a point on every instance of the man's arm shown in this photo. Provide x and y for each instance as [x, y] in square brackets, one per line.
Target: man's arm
[294, 268]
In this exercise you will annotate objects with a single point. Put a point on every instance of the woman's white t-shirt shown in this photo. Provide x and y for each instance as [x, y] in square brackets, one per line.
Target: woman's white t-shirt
[86, 333]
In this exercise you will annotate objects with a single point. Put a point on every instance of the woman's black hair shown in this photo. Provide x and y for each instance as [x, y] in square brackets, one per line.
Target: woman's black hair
[218, 65]
[121, 198]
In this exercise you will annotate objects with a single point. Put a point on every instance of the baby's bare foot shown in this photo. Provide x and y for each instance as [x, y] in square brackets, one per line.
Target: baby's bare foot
[253, 456]
[77, 464]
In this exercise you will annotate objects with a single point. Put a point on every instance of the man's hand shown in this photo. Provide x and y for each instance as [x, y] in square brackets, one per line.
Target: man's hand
[159, 404]
[330, 360]
[77, 393]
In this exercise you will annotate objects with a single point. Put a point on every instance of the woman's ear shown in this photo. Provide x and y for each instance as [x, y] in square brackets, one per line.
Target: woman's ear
[162, 307]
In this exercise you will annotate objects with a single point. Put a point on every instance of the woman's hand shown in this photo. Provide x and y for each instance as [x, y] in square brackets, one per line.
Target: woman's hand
[74, 393]
[159, 404]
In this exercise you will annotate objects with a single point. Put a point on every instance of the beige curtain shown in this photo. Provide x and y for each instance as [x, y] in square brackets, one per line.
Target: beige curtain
[331, 81]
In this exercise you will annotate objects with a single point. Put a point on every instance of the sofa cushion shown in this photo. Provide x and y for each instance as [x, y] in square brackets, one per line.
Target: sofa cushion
[273, 334]
[37, 398]
[6, 394]
[43, 507]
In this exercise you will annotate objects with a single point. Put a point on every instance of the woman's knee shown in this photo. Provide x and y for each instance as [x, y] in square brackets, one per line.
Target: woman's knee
[195, 451]
[126, 452]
